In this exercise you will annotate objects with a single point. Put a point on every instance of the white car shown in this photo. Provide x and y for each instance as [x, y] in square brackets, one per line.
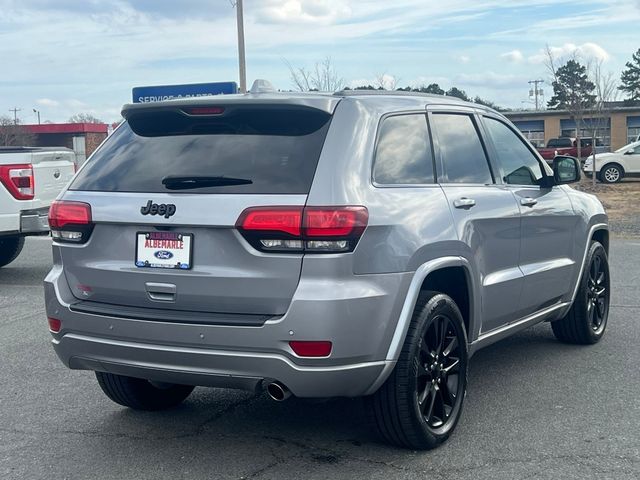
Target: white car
[613, 167]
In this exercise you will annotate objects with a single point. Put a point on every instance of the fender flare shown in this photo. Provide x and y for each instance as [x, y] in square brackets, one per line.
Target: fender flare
[402, 326]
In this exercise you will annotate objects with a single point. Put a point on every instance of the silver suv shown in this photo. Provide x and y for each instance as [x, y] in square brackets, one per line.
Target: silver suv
[319, 245]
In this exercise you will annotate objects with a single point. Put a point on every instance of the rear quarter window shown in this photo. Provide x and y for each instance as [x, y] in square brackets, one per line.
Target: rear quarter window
[403, 151]
[275, 149]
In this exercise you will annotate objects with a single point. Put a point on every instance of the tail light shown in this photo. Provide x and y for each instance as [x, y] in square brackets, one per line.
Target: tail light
[18, 179]
[70, 221]
[303, 229]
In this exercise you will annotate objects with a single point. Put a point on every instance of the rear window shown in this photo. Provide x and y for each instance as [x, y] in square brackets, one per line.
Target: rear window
[250, 150]
[560, 142]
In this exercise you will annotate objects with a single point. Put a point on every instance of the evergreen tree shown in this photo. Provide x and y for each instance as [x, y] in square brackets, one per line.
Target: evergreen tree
[630, 78]
[456, 92]
[572, 89]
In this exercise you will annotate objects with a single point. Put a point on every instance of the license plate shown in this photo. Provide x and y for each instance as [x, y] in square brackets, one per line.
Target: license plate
[163, 250]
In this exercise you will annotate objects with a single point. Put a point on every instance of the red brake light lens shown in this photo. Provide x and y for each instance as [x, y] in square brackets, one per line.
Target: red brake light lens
[18, 180]
[273, 219]
[334, 222]
[63, 212]
[311, 348]
[70, 221]
[303, 229]
[204, 110]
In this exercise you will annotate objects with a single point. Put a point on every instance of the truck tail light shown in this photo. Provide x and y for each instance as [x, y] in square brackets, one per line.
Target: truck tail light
[18, 180]
[70, 221]
[308, 229]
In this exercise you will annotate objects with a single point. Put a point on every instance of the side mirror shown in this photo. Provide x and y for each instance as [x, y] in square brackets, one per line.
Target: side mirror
[629, 152]
[566, 169]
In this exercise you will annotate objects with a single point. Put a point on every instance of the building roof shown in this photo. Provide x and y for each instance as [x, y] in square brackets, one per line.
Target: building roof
[67, 128]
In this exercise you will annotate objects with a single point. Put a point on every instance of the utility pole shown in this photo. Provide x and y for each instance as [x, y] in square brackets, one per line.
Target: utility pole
[241, 58]
[38, 112]
[15, 111]
[535, 92]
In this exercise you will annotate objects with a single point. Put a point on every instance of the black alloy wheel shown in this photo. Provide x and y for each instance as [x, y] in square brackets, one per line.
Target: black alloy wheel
[438, 372]
[586, 320]
[420, 403]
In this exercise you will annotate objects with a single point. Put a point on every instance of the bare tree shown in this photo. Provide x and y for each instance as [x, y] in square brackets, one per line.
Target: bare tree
[606, 92]
[13, 134]
[385, 81]
[322, 77]
[84, 118]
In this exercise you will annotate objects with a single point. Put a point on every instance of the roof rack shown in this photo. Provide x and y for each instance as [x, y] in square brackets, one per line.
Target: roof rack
[351, 93]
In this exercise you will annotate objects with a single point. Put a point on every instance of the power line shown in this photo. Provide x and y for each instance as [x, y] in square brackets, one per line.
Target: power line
[535, 92]
[15, 111]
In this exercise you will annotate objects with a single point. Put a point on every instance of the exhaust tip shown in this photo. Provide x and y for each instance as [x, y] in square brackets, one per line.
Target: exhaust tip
[278, 392]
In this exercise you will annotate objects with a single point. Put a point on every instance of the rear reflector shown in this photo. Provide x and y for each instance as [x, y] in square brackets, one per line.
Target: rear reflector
[54, 324]
[311, 348]
[18, 180]
[308, 229]
[70, 221]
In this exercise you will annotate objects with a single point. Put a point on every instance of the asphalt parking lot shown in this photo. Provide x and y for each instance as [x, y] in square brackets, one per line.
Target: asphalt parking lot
[535, 409]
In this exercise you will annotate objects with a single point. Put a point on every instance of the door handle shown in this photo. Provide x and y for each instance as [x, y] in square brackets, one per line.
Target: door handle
[464, 202]
[161, 292]
[528, 202]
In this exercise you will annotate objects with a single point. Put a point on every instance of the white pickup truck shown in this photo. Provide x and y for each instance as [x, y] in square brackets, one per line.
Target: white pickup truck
[30, 179]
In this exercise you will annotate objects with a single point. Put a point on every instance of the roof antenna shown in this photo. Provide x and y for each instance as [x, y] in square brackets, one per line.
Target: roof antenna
[262, 86]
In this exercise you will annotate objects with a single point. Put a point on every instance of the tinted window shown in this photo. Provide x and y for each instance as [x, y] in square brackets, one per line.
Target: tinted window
[463, 157]
[519, 166]
[260, 150]
[403, 153]
[560, 143]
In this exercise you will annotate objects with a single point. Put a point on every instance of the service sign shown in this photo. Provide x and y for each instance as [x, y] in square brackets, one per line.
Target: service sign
[160, 93]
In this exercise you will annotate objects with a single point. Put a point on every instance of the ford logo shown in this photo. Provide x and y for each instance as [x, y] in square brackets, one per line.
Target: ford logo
[163, 255]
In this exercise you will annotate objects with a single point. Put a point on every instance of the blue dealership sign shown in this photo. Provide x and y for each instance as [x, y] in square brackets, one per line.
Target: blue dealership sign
[159, 93]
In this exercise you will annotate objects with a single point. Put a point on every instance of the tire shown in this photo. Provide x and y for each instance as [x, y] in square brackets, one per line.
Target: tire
[611, 173]
[586, 321]
[10, 248]
[396, 409]
[140, 394]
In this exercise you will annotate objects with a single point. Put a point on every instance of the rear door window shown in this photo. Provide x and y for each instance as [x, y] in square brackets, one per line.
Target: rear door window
[462, 154]
[249, 150]
[403, 152]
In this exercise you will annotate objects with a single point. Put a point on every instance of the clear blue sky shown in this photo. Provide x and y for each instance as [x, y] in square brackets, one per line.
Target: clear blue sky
[69, 56]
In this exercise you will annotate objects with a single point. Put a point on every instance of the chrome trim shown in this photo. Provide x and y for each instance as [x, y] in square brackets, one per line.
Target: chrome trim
[538, 267]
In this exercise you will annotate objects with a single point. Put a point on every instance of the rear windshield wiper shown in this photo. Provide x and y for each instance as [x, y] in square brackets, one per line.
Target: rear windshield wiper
[172, 182]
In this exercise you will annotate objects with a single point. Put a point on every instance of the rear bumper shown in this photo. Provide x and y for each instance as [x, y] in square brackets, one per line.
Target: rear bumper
[359, 318]
[34, 221]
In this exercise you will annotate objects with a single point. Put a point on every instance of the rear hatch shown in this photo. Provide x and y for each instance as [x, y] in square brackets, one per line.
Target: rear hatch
[166, 191]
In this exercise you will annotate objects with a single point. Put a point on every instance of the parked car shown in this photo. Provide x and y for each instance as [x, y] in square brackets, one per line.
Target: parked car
[613, 167]
[319, 245]
[567, 146]
[30, 179]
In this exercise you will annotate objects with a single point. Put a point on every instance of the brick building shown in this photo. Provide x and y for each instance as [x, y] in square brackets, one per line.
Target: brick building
[82, 138]
[616, 129]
